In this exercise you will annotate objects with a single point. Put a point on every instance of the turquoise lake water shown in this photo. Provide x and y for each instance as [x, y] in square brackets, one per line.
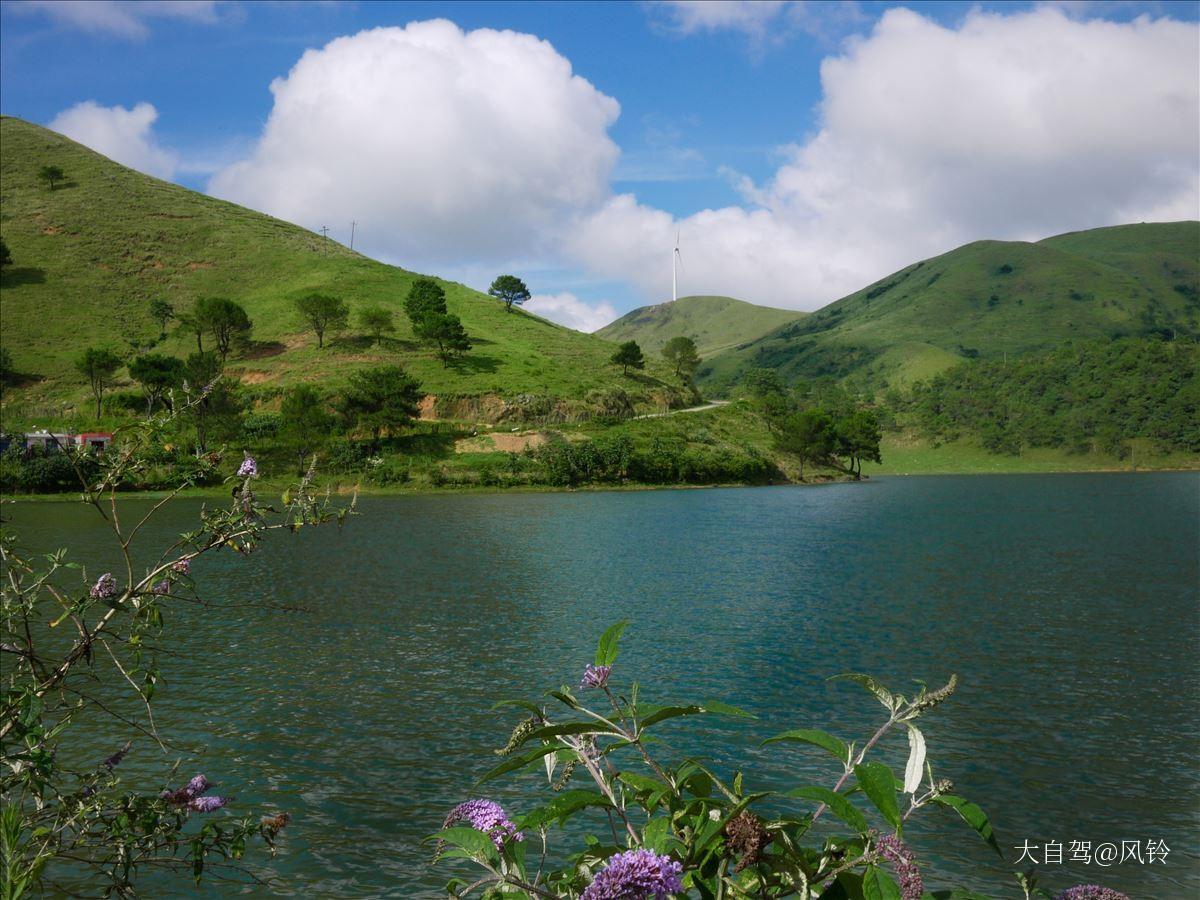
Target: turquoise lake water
[1067, 604]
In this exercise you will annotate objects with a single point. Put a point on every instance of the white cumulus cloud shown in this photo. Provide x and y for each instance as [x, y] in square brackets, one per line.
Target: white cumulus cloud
[443, 145]
[124, 135]
[1007, 126]
[567, 309]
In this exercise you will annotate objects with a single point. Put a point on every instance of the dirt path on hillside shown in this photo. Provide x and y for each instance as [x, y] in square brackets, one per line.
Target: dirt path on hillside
[691, 409]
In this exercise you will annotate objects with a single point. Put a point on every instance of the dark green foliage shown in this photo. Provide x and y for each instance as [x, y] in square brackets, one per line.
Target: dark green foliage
[681, 353]
[6, 367]
[99, 366]
[345, 456]
[1097, 395]
[162, 312]
[858, 438]
[510, 289]
[51, 175]
[445, 332]
[36, 471]
[809, 435]
[431, 323]
[217, 403]
[323, 312]
[305, 422]
[627, 355]
[157, 374]
[378, 399]
[376, 321]
[223, 319]
[614, 460]
[5, 255]
[424, 297]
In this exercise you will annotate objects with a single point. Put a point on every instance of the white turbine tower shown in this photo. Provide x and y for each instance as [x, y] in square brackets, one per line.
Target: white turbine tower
[676, 262]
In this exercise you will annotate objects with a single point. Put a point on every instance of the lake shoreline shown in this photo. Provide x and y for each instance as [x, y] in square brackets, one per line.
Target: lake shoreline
[340, 490]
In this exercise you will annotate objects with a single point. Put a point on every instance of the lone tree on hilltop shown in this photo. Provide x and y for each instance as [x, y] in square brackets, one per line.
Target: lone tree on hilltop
[376, 321]
[51, 175]
[627, 355]
[225, 320]
[162, 312]
[99, 366]
[323, 313]
[510, 289]
[681, 353]
[385, 397]
[157, 374]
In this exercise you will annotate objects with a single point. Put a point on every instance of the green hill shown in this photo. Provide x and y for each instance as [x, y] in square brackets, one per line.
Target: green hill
[714, 323]
[986, 300]
[90, 255]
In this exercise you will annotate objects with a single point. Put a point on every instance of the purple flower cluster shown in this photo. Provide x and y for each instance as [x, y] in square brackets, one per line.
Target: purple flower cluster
[1090, 892]
[190, 796]
[161, 587]
[636, 875]
[207, 804]
[486, 816]
[105, 587]
[248, 468]
[595, 676]
[896, 852]
[182, 567]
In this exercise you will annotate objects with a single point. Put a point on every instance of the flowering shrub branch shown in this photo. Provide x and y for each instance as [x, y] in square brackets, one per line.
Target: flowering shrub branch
[72, 830]
[665, 830]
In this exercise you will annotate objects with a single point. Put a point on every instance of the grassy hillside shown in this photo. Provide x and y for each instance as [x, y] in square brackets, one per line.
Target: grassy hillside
[714, 323]
[89, 256]
[988, 299]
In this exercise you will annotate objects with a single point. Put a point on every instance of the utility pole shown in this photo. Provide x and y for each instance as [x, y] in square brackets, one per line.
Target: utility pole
[325, 234]
[352, 224]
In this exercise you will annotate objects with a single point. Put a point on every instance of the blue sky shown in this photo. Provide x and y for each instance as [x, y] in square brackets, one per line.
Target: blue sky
[728, 131]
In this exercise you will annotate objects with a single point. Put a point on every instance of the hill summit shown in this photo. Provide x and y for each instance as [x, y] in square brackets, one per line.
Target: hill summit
[91, 252]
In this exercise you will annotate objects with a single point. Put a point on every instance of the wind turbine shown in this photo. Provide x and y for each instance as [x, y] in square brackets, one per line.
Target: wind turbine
[676, 261]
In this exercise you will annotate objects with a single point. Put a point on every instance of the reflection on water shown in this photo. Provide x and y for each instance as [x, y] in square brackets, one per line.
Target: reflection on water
[1067, 604]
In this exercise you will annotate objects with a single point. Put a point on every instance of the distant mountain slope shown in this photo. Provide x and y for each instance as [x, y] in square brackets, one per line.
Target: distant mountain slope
[988, 299]
[89, 256]
[714, 323]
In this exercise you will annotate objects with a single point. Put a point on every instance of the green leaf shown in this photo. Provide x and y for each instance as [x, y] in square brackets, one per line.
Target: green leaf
[719, 708]
[565, 697]
[879, 785]
[474, 842]
[656, 834]
[658, 714]
[606, 650]
[651, 714]
[817, 738]
[882, 694]
[878, 885]
[973, 816]
[569, 728]
[562, 806]
[523, 704]
[837, 803]
[517, 761]
[847, 886]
